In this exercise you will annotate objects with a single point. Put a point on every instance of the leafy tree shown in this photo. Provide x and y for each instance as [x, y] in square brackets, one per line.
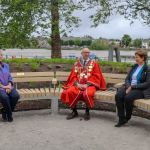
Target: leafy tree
[100, 45]
[71, 42]
[130, 9]
[137, 43]
[16, 22]
[149, 44]
[65, 35]
[66, 43]
[135, 9]
[78, 42]
[19, 19]
[33, 43]
[86, 42]
[126, 40]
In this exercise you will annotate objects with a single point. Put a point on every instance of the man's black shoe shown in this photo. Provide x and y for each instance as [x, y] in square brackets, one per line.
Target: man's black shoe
[72, 115]
[87, 116]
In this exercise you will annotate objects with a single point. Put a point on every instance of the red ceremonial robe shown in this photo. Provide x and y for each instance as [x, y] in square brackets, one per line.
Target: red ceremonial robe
[89, 74]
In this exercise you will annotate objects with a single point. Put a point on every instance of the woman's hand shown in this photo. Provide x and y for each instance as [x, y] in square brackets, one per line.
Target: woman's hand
[7, 87]
[8, 91]
[128, 89]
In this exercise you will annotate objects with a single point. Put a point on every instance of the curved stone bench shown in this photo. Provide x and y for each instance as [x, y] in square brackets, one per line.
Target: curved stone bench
[109, 97]
[48, 93]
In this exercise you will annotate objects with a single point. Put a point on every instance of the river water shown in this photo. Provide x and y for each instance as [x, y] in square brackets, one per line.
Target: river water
[44, 53]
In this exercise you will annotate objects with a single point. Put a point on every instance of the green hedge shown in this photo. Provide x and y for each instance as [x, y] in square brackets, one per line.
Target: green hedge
[35, 60]
[35, 63]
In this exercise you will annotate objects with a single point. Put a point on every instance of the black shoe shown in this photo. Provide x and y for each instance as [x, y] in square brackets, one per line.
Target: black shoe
[10, 119]
[121, 123]
[86, 116]
[4, 116]
[72, 115]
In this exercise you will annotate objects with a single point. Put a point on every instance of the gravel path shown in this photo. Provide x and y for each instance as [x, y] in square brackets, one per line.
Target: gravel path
[38, 130]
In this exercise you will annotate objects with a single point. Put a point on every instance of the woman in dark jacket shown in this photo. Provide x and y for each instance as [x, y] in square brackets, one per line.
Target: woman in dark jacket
[137, 86]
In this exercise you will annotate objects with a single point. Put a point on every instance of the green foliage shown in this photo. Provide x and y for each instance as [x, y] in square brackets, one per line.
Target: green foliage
[66, 43]
[149, 44]
[126, 40]
[137, 43]
[58, 60]
[39, 61]
[86, 42]
[76, 42]
[130, 9]
[135, 9]
[71, 42]
[99, 45]
[104, 10]
[19, 66]
[35, 66]
[20, 18]
[16, 22]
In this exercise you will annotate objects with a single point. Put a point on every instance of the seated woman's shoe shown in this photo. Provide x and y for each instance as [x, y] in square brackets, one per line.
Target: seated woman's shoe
[72, 115]
[10, 119]
[4, 116]
[121, 123]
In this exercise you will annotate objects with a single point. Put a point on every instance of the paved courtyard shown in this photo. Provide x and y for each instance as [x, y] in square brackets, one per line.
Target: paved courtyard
[38, 130]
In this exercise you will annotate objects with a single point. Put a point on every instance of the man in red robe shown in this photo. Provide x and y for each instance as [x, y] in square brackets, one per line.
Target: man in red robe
[85, 78]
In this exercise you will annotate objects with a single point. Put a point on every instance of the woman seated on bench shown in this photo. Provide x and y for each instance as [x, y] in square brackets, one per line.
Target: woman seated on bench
[8, 94]
[137, 86]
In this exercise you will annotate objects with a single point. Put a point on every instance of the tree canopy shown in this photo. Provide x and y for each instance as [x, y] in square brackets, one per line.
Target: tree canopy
[130, 9]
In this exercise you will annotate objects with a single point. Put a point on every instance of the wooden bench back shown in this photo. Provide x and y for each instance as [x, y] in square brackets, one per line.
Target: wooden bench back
[114, 78]
[109, 77]
[61, 76]
[32, 76]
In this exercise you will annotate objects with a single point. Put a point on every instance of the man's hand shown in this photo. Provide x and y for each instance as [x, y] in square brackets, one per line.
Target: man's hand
[79, 86]
[82, 86]
[128, 89]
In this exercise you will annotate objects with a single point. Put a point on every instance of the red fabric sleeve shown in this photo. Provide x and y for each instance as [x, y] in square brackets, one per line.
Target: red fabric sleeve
[71, 79]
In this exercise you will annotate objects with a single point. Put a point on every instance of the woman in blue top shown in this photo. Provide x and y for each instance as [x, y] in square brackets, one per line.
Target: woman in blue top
[8, 94]
[137, 86]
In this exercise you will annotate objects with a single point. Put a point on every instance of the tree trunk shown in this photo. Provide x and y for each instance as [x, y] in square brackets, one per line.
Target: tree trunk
[55, 33]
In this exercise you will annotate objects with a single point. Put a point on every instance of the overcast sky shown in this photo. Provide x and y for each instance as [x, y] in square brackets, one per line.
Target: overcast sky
[116, 28]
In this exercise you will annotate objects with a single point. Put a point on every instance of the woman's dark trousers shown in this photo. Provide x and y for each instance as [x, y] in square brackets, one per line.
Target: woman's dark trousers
[124, 102]
[9, 101]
